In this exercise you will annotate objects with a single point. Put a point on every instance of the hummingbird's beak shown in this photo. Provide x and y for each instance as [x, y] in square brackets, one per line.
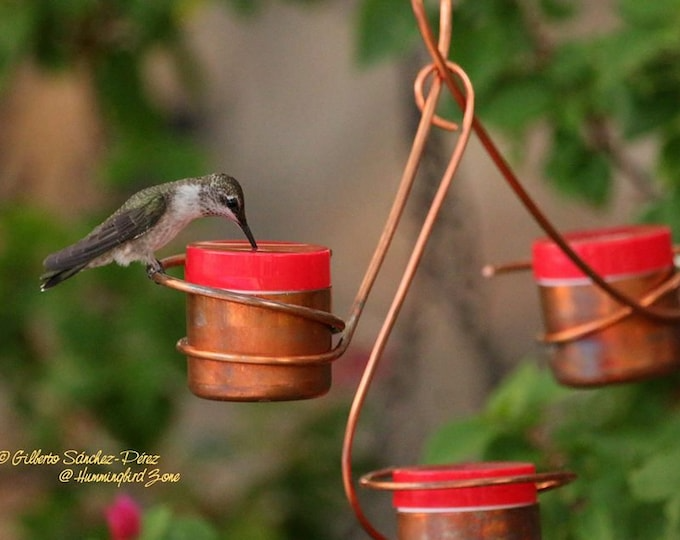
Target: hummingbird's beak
[249, 235]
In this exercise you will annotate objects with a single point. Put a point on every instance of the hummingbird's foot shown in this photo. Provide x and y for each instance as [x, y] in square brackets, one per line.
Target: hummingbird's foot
[154, 268]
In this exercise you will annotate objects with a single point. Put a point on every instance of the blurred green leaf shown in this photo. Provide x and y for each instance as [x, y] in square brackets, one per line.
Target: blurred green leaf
[52, 518]
[191, 529]
[576, 170]
[516, 105]
[153, 158]
[660, 12]
[155, 523]
[646, 110]
[558, 9]
[672, 513]
[520, 401]
[384, 28]
[17, 19]
[461, 440]
[491, 44]
[658, 478]
[154, 22]
[249, 525]
[665, 210]
[122, 94]
[595, 522]
[669, 158]
[627, 51]
[159, 523]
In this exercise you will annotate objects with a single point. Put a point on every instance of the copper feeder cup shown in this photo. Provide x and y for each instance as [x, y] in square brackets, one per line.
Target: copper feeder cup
[245, 352]
[474, 501]
[595, 340]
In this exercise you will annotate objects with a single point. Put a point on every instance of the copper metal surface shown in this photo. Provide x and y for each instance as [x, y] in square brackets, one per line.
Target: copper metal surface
[244, 330]
[596, 341]
[650, 296]
[242, 347]
[516, 523]
[334, 323]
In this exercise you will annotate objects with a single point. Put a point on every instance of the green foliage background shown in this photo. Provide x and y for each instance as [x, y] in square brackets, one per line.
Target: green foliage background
[595, 97]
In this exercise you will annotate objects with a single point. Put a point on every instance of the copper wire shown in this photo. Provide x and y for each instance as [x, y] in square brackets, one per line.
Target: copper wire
[581, 330]
[419, 91]
[543, 481]
[492, 270]
[427, 120]
[334, 323]
[186, 348]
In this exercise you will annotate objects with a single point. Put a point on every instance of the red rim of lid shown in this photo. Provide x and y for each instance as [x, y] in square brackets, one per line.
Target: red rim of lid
[512, 494]
[611, 252]
[274, 267]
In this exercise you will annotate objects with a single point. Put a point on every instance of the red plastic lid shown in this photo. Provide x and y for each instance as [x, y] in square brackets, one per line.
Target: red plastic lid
[274, 267]
[612, 252]
[484, 496]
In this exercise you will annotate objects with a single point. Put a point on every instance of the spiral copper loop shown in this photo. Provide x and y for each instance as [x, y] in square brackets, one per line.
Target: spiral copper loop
[379, 480]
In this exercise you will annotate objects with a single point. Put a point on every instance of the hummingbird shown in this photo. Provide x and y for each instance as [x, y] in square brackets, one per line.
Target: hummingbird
[147, 221]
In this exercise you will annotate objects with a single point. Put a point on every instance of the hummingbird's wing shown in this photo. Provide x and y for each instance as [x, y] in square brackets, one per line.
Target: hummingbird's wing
[126, 224]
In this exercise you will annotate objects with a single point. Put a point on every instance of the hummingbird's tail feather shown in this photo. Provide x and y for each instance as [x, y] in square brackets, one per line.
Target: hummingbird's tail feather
[54, 277]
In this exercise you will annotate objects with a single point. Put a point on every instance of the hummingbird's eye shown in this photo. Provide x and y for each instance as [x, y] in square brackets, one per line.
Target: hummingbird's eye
[229, 201]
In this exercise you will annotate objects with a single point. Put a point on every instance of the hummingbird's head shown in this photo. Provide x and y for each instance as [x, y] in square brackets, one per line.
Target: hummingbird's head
[223, 196]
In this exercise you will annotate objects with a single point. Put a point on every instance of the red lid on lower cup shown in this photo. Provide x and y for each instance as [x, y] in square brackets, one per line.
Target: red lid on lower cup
[611, 252]
[515, 494]
[274, 267]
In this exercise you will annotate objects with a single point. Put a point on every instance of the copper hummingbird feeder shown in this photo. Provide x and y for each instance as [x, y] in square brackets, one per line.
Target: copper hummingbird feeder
[474, 501]
[594, 340]
[259, 326]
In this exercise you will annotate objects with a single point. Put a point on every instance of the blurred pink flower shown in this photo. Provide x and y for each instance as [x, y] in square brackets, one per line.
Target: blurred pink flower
[124, 517]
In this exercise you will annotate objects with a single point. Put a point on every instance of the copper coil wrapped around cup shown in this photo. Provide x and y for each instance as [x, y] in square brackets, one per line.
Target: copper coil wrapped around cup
[473, 500]
[594, 339]
[259, 326]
